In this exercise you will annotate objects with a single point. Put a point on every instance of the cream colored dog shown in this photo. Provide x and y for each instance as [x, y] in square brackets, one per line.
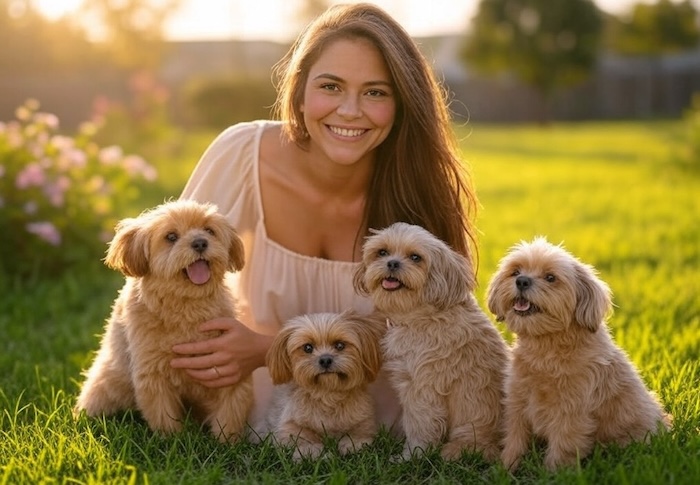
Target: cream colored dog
[175, 257]
[569, 383]
[444, 357]
[322, 364]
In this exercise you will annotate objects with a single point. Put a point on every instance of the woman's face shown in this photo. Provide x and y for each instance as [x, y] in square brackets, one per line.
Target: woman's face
[349, 104]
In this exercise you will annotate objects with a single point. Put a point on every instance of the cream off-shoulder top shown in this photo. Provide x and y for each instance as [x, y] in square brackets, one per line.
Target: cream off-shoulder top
[275, 283]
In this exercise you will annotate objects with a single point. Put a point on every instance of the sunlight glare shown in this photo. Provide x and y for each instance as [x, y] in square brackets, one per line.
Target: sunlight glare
[55, 9]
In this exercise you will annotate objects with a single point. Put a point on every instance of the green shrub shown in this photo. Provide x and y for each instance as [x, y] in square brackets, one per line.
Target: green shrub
[59, 195]
[222, 101]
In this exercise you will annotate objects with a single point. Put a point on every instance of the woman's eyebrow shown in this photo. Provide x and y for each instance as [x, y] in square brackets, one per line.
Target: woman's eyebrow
[333, 77]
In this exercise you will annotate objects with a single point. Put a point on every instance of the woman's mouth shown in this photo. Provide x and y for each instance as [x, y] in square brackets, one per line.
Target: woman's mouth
[347, 132]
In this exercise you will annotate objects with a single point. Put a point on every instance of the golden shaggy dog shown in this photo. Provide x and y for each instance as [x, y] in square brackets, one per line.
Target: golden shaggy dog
[569, 383]
[443, 355]
[322, 365]
[174, 257]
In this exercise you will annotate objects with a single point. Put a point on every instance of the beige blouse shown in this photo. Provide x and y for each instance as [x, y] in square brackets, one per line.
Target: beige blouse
[276, 283]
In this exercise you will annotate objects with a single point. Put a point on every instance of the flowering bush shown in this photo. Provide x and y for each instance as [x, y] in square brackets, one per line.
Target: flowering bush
[59, 195]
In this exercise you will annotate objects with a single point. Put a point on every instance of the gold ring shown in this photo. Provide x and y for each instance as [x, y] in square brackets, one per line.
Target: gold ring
[217, 371]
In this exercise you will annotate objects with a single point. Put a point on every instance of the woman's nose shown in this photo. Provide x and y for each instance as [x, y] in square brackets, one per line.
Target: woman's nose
[349, 107]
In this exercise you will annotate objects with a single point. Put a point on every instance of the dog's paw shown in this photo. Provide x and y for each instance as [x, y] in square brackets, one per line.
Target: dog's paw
[556, 460]
[346, 444]
[307, 450]
[510, 459]
[451, 451]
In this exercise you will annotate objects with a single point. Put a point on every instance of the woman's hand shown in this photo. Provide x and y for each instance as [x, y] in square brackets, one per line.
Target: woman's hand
[223, 360]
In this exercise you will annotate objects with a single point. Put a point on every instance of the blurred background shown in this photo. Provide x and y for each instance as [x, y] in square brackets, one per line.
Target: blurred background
[209, 61]
[106, 105]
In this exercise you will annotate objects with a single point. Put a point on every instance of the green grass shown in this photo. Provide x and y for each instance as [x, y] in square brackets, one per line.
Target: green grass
[612, 192]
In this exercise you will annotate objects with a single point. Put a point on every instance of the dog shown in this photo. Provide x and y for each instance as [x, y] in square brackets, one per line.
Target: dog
[569, 383]
[444, 356]
[174, 257]
[321, 365]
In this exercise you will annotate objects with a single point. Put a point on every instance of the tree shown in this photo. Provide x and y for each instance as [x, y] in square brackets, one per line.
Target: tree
[546, 44]
[131, 30]
[653, 29]
[37, 45]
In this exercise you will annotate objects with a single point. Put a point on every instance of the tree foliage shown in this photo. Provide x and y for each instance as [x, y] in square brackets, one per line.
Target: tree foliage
[654, 29]
[33, 44]
[131, 30]
[547, 44]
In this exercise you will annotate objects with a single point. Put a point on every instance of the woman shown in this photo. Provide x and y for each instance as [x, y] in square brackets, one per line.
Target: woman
[364, 140]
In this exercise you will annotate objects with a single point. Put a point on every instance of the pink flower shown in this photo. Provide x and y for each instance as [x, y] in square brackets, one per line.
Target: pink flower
[47, 119]
[31, 176]
[135, 165]
[46, 231]
[110, 155]
[30, 207]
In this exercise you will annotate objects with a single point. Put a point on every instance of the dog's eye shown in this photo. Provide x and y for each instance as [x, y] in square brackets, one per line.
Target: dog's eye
[516, 273]
[210, 230]
[171, 236]
[416, 258]
[382, 253]
[550, 278]
[308, 348]
[339, 345]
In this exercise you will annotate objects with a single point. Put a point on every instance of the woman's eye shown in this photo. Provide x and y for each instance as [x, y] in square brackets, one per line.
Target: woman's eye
[376, 93]
[329, 87]
[308, 348]
[171, 236]
[416, 258]
[339, 345]
[550, 278]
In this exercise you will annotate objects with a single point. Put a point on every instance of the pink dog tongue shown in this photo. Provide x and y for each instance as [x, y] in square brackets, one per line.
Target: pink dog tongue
[198, 272]
[522, 305]
[388, 284]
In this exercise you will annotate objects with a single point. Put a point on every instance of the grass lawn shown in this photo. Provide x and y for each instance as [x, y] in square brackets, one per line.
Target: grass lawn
[613, 193]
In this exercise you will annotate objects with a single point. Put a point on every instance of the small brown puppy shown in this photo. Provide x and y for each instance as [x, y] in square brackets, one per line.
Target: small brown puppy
[569, 383]
[322, 364]
[174, 257]
[443, 355]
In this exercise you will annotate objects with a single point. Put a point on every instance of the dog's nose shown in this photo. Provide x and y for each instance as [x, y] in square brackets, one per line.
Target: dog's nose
[523, 282]
[200, 245]
[325, 361]
[393, 264]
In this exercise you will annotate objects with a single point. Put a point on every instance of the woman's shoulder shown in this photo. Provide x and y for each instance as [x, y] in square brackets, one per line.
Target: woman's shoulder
[241, 135]
[228, 163]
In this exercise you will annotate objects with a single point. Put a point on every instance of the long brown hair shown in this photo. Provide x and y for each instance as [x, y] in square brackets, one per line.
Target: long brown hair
[418, 177]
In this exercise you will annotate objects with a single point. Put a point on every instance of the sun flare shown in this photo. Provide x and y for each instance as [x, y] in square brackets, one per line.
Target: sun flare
[54, 9]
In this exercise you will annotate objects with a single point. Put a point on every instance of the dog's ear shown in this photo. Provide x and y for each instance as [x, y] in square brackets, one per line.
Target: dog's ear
[493, 299]
[236, 252]
[370, 330]
[278, 362]
[358, 280]
[450, 279]
[128, 250]
[593, 300]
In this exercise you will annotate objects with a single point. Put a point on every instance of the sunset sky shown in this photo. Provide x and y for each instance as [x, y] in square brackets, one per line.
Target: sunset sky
[275, 19]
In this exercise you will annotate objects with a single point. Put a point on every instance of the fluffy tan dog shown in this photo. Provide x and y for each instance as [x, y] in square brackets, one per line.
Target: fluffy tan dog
[322, 364]
[175, 257]
[569, 383]
[444, 357]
